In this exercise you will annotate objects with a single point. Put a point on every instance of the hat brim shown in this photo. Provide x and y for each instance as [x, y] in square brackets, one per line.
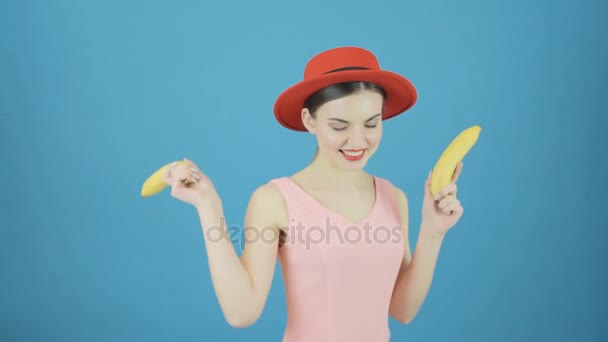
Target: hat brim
[401, 94]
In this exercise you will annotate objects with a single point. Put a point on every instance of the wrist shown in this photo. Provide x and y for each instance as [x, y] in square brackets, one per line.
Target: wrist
[209, 202]
[430, 234]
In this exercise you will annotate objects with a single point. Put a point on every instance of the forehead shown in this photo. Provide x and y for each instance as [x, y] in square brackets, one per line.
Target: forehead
[359, 106]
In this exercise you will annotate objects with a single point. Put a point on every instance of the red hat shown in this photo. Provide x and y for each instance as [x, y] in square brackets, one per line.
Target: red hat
[338, 65]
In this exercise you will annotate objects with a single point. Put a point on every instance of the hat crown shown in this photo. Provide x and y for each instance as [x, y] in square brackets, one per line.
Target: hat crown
[340, 58]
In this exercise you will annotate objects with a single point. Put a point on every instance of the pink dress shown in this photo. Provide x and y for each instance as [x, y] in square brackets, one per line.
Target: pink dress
[339, 275]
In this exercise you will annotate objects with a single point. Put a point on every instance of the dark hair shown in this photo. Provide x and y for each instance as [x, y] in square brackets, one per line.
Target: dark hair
[336, 91]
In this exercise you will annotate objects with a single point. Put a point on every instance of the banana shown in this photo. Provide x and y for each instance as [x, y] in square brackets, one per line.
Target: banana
[443, 172]
[155, 183]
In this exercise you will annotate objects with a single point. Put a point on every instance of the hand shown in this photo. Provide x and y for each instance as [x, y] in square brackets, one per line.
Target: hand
[188, 183]
[440, 214]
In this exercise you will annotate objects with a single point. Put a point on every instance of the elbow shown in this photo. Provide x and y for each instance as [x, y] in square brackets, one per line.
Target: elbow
[241, 320]
[241, 312]
[403, 314]
[239, 323]
[404, 318]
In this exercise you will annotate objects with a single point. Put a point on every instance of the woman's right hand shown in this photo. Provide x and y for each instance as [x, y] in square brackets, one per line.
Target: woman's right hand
[188, 183]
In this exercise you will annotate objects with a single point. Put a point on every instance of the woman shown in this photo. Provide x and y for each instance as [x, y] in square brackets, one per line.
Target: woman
[339, 233]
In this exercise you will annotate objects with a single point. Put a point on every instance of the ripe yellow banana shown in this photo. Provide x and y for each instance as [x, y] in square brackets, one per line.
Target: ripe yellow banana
[155, 183]
[450, 158]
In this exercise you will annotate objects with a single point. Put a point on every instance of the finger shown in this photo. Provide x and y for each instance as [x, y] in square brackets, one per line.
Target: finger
[457, 172]
[193, 172]
[450, 189]
[449, 209]
[446, 201]
[168, 172]
[184, 176]
[454, 209]
[187, 162]
[190, 178]
[427, 183]
[167, 176]
[190, 163]
[187, 165]
[184, 167]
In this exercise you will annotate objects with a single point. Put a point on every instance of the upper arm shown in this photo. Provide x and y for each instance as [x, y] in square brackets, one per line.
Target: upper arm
[404, 215]
[264, 217]
[397, 303]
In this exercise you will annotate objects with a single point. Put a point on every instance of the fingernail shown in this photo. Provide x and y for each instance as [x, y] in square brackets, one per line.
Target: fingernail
[193, 169]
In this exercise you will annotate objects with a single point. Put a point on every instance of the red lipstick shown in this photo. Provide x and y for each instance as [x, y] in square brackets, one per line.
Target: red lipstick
[353, 155]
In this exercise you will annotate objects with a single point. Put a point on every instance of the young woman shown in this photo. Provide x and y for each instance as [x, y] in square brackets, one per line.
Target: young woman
[339, 233]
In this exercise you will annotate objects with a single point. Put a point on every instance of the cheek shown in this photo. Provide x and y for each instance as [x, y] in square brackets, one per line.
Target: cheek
[330, 140]
[374, 137]
[333, 142]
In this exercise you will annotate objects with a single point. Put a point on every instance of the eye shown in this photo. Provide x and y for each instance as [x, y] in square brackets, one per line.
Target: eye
[371, 126]
[340, 128]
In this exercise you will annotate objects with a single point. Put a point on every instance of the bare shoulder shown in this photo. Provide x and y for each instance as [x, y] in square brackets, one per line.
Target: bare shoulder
[401, 197]
[402, 203]
[267, 202]
[399, 193]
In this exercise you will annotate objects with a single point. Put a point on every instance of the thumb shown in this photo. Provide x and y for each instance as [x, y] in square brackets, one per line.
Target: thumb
[189, 162]
[167, 173]
[428, 196]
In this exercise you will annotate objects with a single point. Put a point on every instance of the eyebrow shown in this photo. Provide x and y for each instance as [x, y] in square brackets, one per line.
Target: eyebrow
[370, 119]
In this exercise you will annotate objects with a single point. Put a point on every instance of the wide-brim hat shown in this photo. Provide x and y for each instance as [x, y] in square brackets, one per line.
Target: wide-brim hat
[338, 65]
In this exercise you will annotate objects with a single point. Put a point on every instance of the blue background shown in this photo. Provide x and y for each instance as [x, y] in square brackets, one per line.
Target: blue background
[95, 96]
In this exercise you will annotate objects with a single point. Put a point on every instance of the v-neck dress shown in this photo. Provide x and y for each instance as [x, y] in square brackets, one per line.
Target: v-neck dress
[339, 274]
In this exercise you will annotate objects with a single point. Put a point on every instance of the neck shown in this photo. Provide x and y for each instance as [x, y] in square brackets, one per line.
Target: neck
[328, 173]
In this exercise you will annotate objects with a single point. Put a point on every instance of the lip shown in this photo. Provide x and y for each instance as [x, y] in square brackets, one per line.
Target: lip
[351, 158]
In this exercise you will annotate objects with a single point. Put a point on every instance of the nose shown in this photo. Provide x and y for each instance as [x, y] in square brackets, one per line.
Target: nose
[357, 137]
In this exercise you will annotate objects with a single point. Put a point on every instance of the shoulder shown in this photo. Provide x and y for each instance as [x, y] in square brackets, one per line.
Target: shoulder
[267, 200]
[268, 192]
[401, 197]
[398, 193]
[401, 208]
[390, 186]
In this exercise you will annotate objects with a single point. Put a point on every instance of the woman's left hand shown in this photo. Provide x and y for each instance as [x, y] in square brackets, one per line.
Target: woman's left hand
[441, 213]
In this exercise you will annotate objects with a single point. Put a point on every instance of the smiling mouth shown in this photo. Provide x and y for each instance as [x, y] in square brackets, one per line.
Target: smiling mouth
[353, 155]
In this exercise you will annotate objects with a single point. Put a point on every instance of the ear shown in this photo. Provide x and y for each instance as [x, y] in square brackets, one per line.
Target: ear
[308, 121]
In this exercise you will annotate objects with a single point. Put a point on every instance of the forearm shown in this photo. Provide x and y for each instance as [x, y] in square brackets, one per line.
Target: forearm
[413, 287]
[229, 278]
